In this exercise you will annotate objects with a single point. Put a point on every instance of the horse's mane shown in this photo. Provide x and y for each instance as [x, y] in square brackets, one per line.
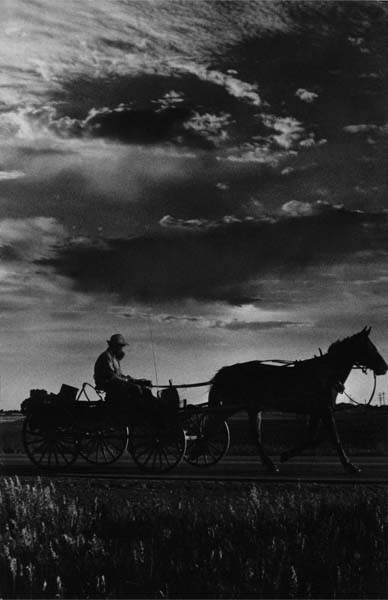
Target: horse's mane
[339, 344]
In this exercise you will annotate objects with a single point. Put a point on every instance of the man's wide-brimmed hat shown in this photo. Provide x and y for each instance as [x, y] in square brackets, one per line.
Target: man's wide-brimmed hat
[117, 340]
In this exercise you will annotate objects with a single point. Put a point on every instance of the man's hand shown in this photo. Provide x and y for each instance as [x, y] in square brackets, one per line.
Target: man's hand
[145, 382]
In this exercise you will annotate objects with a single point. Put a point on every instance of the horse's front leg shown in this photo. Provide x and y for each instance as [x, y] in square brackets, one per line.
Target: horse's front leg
[255, 424]
[331, 425]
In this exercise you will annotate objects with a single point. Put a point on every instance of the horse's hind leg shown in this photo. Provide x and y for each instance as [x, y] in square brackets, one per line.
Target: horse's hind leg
[333, 431]
[312, 442]
[255, 424]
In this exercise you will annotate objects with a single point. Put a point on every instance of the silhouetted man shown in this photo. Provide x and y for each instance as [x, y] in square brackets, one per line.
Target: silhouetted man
[109, 377]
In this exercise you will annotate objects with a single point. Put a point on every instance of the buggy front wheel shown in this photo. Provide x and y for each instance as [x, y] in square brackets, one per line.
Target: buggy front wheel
[208, 440]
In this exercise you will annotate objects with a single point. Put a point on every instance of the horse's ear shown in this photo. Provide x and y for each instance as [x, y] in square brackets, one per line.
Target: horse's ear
[366, 330]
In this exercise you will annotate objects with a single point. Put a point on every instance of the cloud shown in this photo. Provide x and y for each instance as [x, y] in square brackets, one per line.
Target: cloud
[296, 208]
[236, 325]
[288, 130]
[30, 239]
[182, 319]
[360, 128]
[305, 95]
[26, 287]
[4, 175]
[172, 222]
[223, 261]
[212, 127]
[367, 128]
[131, 125]
[192, 224]
[262, 154]
[234, 86]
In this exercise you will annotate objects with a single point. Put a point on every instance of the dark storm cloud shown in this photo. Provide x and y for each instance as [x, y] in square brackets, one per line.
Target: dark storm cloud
[136, 126]
[223, 262]
[175, 106]
[330, 49]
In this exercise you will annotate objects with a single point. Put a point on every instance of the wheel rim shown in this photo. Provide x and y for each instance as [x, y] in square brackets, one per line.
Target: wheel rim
[103, 444]
[156, 449]
[210, 446]
[49, 445]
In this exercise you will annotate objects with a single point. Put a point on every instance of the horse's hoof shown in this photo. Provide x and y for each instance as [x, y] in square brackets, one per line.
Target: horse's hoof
[350, 468]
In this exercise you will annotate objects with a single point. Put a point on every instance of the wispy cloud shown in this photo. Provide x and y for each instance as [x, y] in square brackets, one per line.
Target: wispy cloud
[32, 238]
[237, 325]
[5, 175]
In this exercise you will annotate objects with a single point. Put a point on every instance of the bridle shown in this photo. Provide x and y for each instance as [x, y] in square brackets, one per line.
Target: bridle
[364, 370]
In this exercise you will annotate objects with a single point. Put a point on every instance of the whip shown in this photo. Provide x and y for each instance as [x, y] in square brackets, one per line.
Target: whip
[152, 345]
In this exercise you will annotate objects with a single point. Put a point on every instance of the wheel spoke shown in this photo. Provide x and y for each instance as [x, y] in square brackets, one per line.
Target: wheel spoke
[154, 459]
[148, 457]
[43, 453]
[103, 450]
[35, 439]
[175, 448]
[55, 455]
[88, 443]
[117, 449]
[40, 445]
[166, 457]
[109, 450]
[139, 454]
[49, 455]
[63, 456]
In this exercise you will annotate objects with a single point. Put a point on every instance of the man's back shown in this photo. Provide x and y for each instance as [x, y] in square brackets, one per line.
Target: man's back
[107, 369]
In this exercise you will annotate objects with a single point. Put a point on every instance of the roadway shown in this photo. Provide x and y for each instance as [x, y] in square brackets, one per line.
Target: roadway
[320, 469]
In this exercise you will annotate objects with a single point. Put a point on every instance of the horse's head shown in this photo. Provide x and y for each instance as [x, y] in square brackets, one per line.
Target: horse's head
[366, 353]
[359, 350]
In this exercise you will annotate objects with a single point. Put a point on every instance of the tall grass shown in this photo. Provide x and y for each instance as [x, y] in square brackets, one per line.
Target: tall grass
[191, 541]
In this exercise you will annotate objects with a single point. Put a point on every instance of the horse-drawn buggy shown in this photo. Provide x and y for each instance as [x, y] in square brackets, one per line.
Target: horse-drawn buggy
[160, 434]
[62, 428]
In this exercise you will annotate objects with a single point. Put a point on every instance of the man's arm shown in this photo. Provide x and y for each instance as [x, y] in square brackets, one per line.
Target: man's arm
[144, 382]
[105, 372]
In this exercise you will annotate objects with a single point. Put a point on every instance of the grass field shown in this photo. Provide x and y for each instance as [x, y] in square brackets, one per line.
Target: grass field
[189, 540]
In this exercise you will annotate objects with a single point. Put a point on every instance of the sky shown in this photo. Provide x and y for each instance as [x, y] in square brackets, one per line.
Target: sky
[206, 177]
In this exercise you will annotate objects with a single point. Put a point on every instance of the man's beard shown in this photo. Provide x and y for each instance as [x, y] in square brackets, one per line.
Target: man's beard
[119, 354]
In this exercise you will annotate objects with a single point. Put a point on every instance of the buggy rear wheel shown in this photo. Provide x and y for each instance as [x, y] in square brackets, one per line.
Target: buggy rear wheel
[157, 448]
[208, 440]
[50, 443]
[103, 443]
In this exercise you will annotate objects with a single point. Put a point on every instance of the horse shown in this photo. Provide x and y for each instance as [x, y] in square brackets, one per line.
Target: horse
[309, 387]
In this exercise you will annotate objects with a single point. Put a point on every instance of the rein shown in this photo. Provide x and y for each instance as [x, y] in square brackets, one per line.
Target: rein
[285, 363]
